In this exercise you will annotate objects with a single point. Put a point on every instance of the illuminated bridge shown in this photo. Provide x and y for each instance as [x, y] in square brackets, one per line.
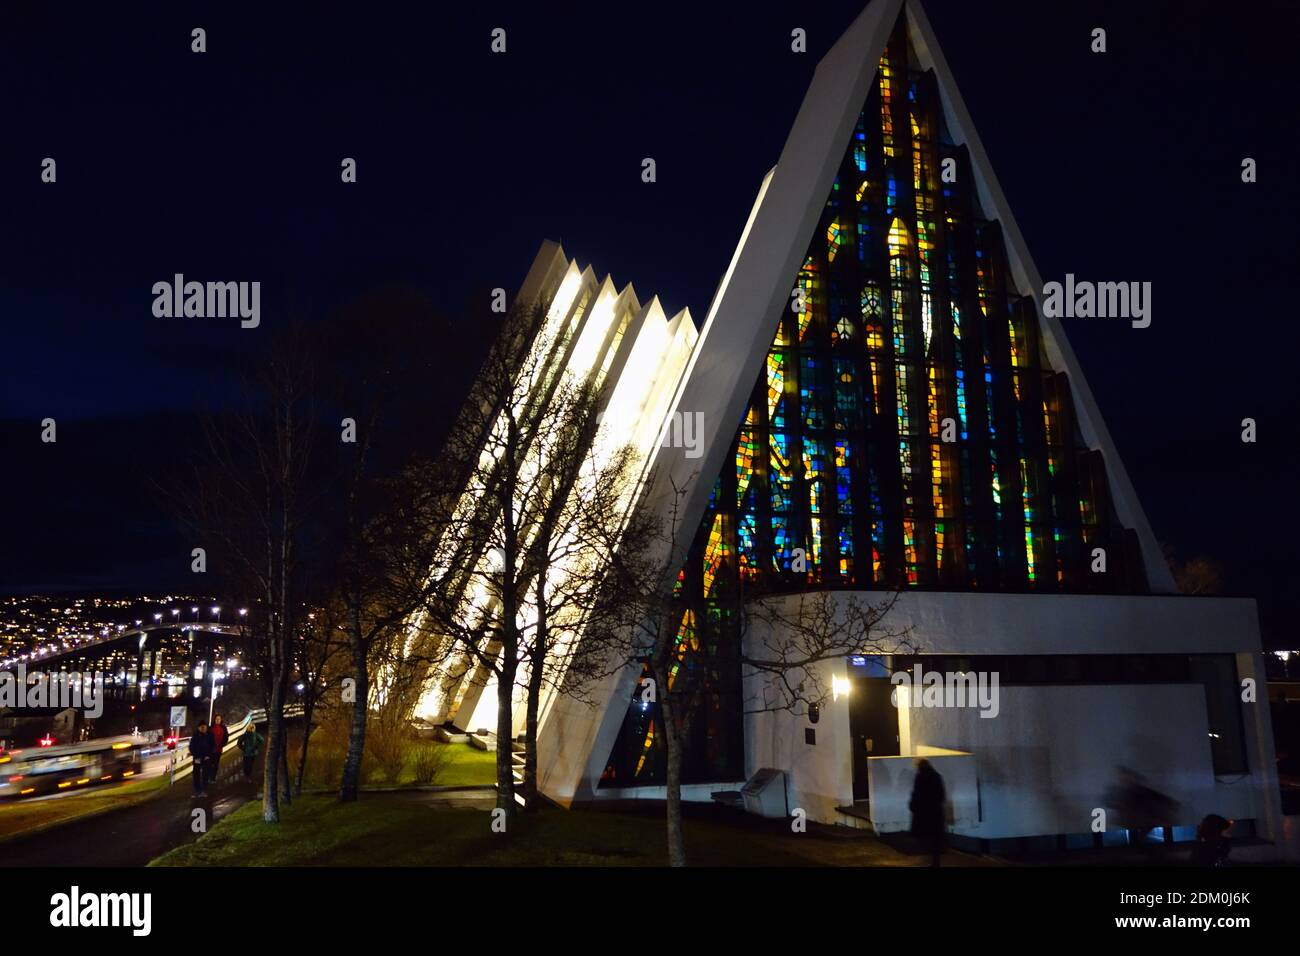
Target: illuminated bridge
[160, 660]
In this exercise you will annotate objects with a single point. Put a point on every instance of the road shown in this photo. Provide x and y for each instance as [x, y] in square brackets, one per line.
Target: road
[137, 834]
[151, 767]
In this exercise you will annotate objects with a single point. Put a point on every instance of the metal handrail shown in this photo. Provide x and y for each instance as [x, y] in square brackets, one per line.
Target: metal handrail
[182, 765]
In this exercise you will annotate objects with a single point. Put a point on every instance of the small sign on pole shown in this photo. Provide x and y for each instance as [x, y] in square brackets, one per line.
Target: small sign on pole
[179, 716]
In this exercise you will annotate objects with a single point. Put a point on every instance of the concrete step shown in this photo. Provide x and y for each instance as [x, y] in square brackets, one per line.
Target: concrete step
[519, 797]
[450, 735]
[857, 816]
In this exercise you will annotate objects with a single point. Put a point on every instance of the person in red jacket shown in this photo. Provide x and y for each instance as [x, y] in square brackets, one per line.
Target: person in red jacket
[220, 734]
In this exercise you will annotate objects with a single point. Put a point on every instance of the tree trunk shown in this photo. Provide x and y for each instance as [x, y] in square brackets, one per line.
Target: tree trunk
[286, 795]
[509, 635]
[274, 743]
[673, 784]
[357, 733]
[530, 736]
[308, 708]
[505, 730]
[536, 671]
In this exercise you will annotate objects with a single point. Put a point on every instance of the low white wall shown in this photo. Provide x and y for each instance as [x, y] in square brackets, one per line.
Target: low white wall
[1049, 757]
[891, 780]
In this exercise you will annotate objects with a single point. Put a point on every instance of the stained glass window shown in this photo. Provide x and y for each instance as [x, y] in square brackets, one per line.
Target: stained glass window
[943, 334]
[781, 472]
[834, 239]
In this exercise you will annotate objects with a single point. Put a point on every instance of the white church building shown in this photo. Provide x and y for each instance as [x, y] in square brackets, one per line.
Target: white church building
[884, 407]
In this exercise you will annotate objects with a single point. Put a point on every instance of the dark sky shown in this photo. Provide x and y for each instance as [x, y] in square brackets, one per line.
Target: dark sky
[225, 165]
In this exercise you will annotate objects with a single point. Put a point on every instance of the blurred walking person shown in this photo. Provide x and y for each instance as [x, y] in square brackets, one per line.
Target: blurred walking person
[1212, 841]
[1140, 808]
[927, 806]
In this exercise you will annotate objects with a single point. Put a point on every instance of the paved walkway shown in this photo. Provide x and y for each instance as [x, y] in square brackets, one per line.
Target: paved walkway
[136, 834]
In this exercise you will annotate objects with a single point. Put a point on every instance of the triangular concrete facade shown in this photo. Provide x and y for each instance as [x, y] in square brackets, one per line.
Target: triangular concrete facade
[742, 321]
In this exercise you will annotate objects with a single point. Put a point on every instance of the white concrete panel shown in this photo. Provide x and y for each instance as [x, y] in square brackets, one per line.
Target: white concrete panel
[891, 780]
[1050, 757]
[988, 623]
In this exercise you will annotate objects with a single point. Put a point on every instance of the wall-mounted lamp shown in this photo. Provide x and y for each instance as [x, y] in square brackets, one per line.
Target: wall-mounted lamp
[839, 687]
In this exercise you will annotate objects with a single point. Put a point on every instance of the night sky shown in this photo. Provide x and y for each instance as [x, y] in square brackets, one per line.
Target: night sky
[225, 166]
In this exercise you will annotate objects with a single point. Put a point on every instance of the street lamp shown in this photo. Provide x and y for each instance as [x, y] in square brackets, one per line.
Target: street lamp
[217, 611]
[157, 618]
[212, 699]
[176, 613]
[195, 612]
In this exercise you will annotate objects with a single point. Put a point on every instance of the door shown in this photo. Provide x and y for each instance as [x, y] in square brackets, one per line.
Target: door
[873, 726]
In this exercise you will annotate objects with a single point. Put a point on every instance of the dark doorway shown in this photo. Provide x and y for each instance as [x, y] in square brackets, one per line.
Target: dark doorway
[873, 726]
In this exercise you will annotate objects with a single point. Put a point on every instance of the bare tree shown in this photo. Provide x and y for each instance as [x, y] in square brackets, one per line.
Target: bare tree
[789, 637]
[378, 385]
[377, 596]
[316, 650]
[778, 648]
[514, 451]
[1194, 576]
[581, 514]
[249, 502]
[645, 631]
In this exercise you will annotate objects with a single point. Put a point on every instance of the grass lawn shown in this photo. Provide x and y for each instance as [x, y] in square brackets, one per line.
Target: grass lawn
[399, 830]
[459, 765]
[462, 766]
[20, 816]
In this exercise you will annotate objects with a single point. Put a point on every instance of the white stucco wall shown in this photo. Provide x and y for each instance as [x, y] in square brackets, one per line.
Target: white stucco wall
[819, 777]
[1047, 760]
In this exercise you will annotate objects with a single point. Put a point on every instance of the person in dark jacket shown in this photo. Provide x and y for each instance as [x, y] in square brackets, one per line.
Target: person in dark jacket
[927, 806]
[220, 734]
[200, 754]
[249, 745]
[1212, 841]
